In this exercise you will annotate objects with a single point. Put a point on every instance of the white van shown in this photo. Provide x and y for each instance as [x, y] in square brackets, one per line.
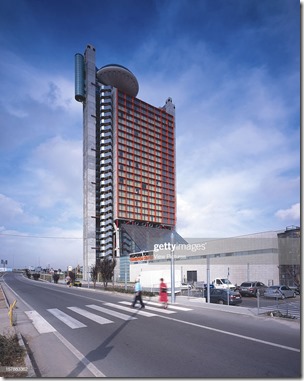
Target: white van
[223, 283]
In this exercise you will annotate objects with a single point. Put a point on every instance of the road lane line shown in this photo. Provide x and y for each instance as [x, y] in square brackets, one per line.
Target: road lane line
[232, 334]
[19, 297]
[66, 319]
[111, 312]
[96, 318]
[130, 309]
[90, 366]
[39, 322]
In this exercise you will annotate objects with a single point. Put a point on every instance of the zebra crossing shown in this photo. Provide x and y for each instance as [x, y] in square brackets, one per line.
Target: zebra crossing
[65, 318]
[121, 310]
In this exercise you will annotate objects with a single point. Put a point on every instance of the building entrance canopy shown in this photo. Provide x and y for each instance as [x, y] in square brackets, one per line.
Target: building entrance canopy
[143, 238]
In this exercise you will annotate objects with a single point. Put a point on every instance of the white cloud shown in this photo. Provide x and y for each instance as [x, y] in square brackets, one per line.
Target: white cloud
[56, 247]
[216, 205]
[55, 173]
[12, 211]
[44, 189]
[54, 90]
[237, 154]
[292, 213]
[9, 208]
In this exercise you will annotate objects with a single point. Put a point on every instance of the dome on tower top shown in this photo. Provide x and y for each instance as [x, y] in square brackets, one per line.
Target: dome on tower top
[120, 77]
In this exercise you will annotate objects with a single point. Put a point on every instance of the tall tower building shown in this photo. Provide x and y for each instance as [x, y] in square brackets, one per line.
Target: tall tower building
[129, 186]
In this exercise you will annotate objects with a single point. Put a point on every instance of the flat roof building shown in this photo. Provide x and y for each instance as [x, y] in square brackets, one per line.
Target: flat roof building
[272, 257]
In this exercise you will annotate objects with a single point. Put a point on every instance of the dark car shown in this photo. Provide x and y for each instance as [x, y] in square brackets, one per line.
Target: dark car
[220, 296]
[251, 288]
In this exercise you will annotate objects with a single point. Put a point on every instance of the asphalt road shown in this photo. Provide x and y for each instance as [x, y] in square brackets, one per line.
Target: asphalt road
[76, 332]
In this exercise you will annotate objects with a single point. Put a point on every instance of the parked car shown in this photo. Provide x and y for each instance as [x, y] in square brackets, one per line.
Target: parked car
[186, 286]
[295, 289]
[77, 283]
[251, 288]
[280, 292]
[220, 296]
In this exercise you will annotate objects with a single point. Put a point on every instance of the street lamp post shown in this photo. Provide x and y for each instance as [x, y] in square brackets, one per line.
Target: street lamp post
[228, 288]
[208, 279]
[172, 271]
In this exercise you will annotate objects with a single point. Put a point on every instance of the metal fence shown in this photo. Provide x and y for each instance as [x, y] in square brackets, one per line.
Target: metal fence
[288, 308]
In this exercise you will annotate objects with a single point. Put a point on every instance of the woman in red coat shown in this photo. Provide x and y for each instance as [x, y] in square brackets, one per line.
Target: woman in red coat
[163, 296]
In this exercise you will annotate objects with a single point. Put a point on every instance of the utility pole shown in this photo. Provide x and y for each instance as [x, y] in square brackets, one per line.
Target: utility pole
[208, 279]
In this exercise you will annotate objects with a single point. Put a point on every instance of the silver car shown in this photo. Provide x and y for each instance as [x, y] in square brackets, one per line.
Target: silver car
[279, 292]
[251, 288]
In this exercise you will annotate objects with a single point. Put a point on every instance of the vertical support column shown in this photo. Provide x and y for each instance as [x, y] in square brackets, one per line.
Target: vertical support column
[89, 162]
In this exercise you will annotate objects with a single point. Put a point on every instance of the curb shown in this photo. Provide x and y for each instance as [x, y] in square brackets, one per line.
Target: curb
[28, 363]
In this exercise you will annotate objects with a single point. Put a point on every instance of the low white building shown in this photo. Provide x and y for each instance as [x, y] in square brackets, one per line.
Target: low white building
[253, 257]
[245, 258]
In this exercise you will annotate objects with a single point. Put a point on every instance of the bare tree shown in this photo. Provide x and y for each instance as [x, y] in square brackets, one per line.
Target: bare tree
[107, 266]
[94, 273]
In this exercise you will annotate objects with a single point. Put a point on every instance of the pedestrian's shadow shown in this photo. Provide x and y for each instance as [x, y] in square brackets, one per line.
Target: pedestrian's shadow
[100, 352]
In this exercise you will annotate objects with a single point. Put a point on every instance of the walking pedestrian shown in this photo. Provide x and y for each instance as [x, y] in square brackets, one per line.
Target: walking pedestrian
[163, 293]
[68, 281]
[138, 291]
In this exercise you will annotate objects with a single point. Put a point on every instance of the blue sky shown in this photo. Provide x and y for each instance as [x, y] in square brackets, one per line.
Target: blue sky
[232, 68]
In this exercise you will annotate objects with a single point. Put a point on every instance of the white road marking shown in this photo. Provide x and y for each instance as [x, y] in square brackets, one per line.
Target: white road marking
[39, 322]
[90, 366]
[164, 311]
[111, 312]
[66, 319]
[129, 309]
[233, 334]
[98, 319]
[171, 306]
